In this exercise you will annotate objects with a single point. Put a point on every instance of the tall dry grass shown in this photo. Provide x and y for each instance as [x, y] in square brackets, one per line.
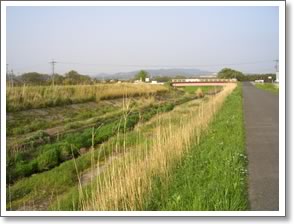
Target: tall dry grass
[125, 185]
[27, 97]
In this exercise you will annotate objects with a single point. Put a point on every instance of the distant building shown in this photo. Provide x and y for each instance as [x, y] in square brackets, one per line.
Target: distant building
[147, 79]
[277, 76]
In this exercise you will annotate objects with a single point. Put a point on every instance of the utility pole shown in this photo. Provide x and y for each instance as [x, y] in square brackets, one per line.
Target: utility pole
[277, 69]
[53, 64]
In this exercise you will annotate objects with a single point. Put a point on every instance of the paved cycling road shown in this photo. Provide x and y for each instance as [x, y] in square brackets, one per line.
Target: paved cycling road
[261, 111]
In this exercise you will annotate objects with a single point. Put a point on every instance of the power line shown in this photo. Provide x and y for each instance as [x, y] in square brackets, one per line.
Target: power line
[170, 66]
[150, 66]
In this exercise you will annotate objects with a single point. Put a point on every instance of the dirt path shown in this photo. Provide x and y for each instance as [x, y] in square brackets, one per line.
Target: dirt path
[90, 174]
[261, 110]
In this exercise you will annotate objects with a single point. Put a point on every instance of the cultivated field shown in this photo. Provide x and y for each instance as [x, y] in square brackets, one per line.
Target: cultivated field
[125, 147]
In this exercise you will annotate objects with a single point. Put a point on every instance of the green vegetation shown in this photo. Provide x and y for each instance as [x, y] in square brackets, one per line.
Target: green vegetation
[64, 178]
[212, 176]
[268, 87]
[35, 78]
[205, 89]
[130, 177]
[151, 153]
[142, 75]
[73, 78]
[228, 73]
[50, 155]
[23, 122]
[47, 156]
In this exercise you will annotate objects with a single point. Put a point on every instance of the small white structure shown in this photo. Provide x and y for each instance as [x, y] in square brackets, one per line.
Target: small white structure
[147, 79]
[259, 81]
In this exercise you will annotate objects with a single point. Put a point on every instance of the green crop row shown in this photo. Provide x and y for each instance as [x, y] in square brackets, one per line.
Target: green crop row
[51, 155]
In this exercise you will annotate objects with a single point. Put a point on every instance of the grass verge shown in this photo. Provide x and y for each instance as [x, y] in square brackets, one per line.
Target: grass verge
[212, 176]
[127, 183]
[268, 87]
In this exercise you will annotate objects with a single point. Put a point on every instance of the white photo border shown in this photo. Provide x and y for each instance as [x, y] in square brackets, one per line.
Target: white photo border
[282, 106]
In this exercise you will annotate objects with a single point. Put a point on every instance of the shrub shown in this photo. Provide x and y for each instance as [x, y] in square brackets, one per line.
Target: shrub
[48, 159]
[199, 93]
[24, 170]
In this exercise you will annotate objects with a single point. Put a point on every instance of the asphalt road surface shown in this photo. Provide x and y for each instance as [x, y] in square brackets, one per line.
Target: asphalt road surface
[261, 110]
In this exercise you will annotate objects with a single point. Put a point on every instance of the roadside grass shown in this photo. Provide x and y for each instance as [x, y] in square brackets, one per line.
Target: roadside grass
[213, 175]
[268, 87]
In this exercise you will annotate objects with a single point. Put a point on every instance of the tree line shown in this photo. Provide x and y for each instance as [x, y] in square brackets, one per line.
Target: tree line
[35, 78]
[74, 78]
[228, 73]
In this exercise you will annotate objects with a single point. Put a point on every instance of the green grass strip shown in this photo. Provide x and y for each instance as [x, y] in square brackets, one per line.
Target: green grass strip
[268, 87]
[212, 176]
[205, 89]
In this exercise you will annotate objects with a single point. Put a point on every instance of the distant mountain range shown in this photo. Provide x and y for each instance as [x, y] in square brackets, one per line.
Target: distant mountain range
[155, 72]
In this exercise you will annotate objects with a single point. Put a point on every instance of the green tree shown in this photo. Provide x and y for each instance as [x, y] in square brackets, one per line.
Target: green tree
[73, 78]
[141, 75]
[228, 73]
[34, 78]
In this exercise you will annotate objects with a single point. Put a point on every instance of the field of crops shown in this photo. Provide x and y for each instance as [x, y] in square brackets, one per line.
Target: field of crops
[122, 147]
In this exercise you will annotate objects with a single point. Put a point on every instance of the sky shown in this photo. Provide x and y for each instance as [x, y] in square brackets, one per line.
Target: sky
[95, 40]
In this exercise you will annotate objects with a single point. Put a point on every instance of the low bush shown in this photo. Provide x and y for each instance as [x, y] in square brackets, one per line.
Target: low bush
[48, 160]
[24, 169]
[199, 93]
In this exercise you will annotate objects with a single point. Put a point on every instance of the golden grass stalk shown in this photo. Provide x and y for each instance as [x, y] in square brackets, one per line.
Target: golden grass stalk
[26, 97]
[127, 182]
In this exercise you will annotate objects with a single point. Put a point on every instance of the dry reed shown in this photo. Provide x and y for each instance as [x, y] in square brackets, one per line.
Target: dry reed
[26, 97]
[127, 182]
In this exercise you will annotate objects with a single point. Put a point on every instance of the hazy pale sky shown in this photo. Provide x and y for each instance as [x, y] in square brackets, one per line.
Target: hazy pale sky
[92, 40]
